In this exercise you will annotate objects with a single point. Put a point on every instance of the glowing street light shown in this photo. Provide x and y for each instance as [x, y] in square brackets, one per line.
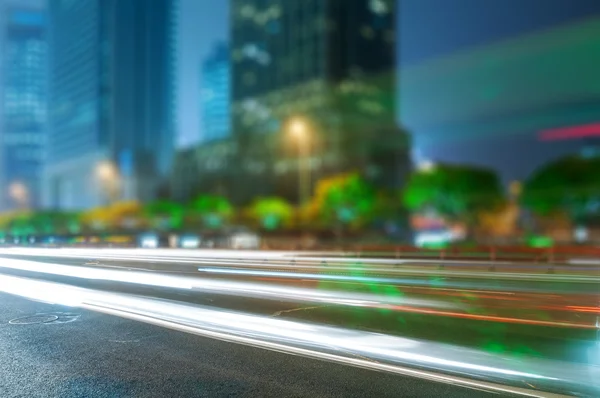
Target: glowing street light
[299, 130]
[108, 175]
[426, 166]
[19, 193]
[106, 171]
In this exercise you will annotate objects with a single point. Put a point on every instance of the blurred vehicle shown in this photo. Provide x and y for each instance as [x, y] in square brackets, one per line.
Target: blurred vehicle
[434, 237]
[230, 238]
[186, 241]
[48, 241]
[244, 239]
[149, 240]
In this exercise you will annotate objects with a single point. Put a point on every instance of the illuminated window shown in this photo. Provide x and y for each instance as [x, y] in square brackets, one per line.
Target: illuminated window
[379, 7]
[261, 18]
[281, 167]
[247, 11]
[275, 11]
[367, 32]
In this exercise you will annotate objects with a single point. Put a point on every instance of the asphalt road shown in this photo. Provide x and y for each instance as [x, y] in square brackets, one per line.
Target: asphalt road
[512, 338]
[88, 354]
[77, 353]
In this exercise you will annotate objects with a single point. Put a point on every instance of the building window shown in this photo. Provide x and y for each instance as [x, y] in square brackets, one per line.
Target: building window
[379, 7]
[247, 11]
[367, 32]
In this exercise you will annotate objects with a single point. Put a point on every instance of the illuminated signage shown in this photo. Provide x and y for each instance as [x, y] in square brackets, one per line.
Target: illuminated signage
[571, 132]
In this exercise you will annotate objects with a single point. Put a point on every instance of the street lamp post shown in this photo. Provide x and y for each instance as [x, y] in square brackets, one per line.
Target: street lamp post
[299, 130]
[107, 174]
[19, 193]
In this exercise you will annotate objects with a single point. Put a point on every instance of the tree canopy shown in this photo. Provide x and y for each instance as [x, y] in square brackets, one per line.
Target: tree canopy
[345, 198]
[456, 192]
[570, 184]
[213, 210]
[272, 213]
[118, 214]
[164, 214]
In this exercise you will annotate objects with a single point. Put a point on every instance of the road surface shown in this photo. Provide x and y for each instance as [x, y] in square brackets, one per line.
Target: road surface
[543, 319]
[79, 353]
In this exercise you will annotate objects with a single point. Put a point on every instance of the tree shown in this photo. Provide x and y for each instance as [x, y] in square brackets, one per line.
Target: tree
[272, 213]
[97, 218]
[22, 224]
[458, 193]
[51, 221]
[500, 222]
[213, 210]
[164, 214]
[345, 199]
[570, 184]
[120, 214]
[5, 220]
[126, 214]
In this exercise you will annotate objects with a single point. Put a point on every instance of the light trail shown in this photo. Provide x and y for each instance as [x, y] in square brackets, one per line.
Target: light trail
[301, 259]
[437, 362]
[240, 288]
[496, 275]
[274, 292]
[274, 261]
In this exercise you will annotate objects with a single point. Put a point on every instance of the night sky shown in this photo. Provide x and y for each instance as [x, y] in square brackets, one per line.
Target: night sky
[428, 29]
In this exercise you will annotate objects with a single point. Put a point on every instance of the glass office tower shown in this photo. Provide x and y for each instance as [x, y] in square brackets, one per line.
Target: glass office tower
[111, 129]
[24, 55]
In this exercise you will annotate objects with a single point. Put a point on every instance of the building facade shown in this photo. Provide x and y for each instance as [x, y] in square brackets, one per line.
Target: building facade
[111, 130]
[215, 98]
[203, 169]
[328, 65]
[24, 86]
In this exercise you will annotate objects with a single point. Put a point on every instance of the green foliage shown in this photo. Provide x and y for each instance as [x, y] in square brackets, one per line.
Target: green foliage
[570, 184]
[272, 213]
[540, 241]
[213, 210]
[72, 222]
[22, 225]
[164, 214]
[43, 222]
[455, 192]
[347, 199]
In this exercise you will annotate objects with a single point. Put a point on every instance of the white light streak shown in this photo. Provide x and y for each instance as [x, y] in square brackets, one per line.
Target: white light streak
[352, 347]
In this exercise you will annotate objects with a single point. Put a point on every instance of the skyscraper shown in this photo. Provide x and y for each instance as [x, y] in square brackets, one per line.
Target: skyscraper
[329, 64]
[111, 125]
[24, 49]
[215, 99]
[277, 44]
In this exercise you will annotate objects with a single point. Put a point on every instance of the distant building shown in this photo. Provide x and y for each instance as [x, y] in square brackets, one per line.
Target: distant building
[215, 98]
[203, 169]
[111, 130]
[23, 104]
[513, 105]
[329, 65]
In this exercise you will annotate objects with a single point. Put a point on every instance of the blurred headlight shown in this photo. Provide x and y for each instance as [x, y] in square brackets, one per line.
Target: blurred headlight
[190, 242]
[149, 242]
[245, 241]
